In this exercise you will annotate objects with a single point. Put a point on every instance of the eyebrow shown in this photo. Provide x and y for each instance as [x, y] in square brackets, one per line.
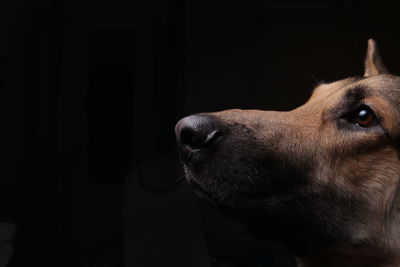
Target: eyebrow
[357, 93]
[350, 98]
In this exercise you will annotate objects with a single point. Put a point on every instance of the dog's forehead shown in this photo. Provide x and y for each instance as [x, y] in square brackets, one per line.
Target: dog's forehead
[385, 86]
[324, 88]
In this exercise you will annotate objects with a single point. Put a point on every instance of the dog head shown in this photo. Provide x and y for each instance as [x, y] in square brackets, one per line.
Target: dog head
[323, 174]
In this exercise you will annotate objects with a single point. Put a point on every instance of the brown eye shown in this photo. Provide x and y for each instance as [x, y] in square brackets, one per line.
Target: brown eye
[364, 117]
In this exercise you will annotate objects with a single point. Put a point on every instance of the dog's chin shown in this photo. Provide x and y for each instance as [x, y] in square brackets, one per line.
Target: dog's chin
[272, 217]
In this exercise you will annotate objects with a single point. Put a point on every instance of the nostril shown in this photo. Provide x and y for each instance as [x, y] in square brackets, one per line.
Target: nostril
[197, 139]
[188, 137]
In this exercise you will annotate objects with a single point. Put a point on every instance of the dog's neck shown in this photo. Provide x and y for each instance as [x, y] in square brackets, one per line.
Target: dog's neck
[350, 257]
[381, 250]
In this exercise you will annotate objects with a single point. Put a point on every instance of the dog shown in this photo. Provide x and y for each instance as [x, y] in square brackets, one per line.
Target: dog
[322, 179]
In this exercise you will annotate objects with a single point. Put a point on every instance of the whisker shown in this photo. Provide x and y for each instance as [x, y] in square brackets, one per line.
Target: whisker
[309, 73]
[180, 178]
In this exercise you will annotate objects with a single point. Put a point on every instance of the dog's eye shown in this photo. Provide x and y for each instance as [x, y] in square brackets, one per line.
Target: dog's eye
[364, 117]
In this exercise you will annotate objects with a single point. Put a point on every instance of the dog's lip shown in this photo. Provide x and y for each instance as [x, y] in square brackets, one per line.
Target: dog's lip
[189, 157]
[198, 188]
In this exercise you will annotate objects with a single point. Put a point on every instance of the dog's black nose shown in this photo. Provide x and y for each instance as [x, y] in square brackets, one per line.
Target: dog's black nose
[196, 132]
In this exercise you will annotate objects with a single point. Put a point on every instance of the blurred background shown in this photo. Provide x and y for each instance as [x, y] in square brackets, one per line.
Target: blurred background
[91, 91]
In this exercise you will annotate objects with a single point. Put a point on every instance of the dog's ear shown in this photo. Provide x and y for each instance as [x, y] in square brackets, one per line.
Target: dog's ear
[373, 61]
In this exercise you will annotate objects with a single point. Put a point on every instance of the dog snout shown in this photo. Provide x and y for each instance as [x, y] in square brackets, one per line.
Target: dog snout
[196, 132]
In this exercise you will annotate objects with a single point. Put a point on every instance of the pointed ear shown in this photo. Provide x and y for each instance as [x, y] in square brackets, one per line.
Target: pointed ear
[373, 62]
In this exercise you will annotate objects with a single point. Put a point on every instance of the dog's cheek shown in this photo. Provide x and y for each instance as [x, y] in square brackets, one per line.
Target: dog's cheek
[367, 173]
[355, 209]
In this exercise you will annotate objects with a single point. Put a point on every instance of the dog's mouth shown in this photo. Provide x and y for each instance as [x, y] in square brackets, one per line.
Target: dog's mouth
[199, 189]
[226, 190]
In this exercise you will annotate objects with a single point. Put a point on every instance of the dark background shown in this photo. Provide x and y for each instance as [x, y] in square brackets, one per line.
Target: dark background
[91, 91]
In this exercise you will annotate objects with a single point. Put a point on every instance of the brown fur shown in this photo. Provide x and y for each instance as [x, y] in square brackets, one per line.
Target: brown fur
[312, 176]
